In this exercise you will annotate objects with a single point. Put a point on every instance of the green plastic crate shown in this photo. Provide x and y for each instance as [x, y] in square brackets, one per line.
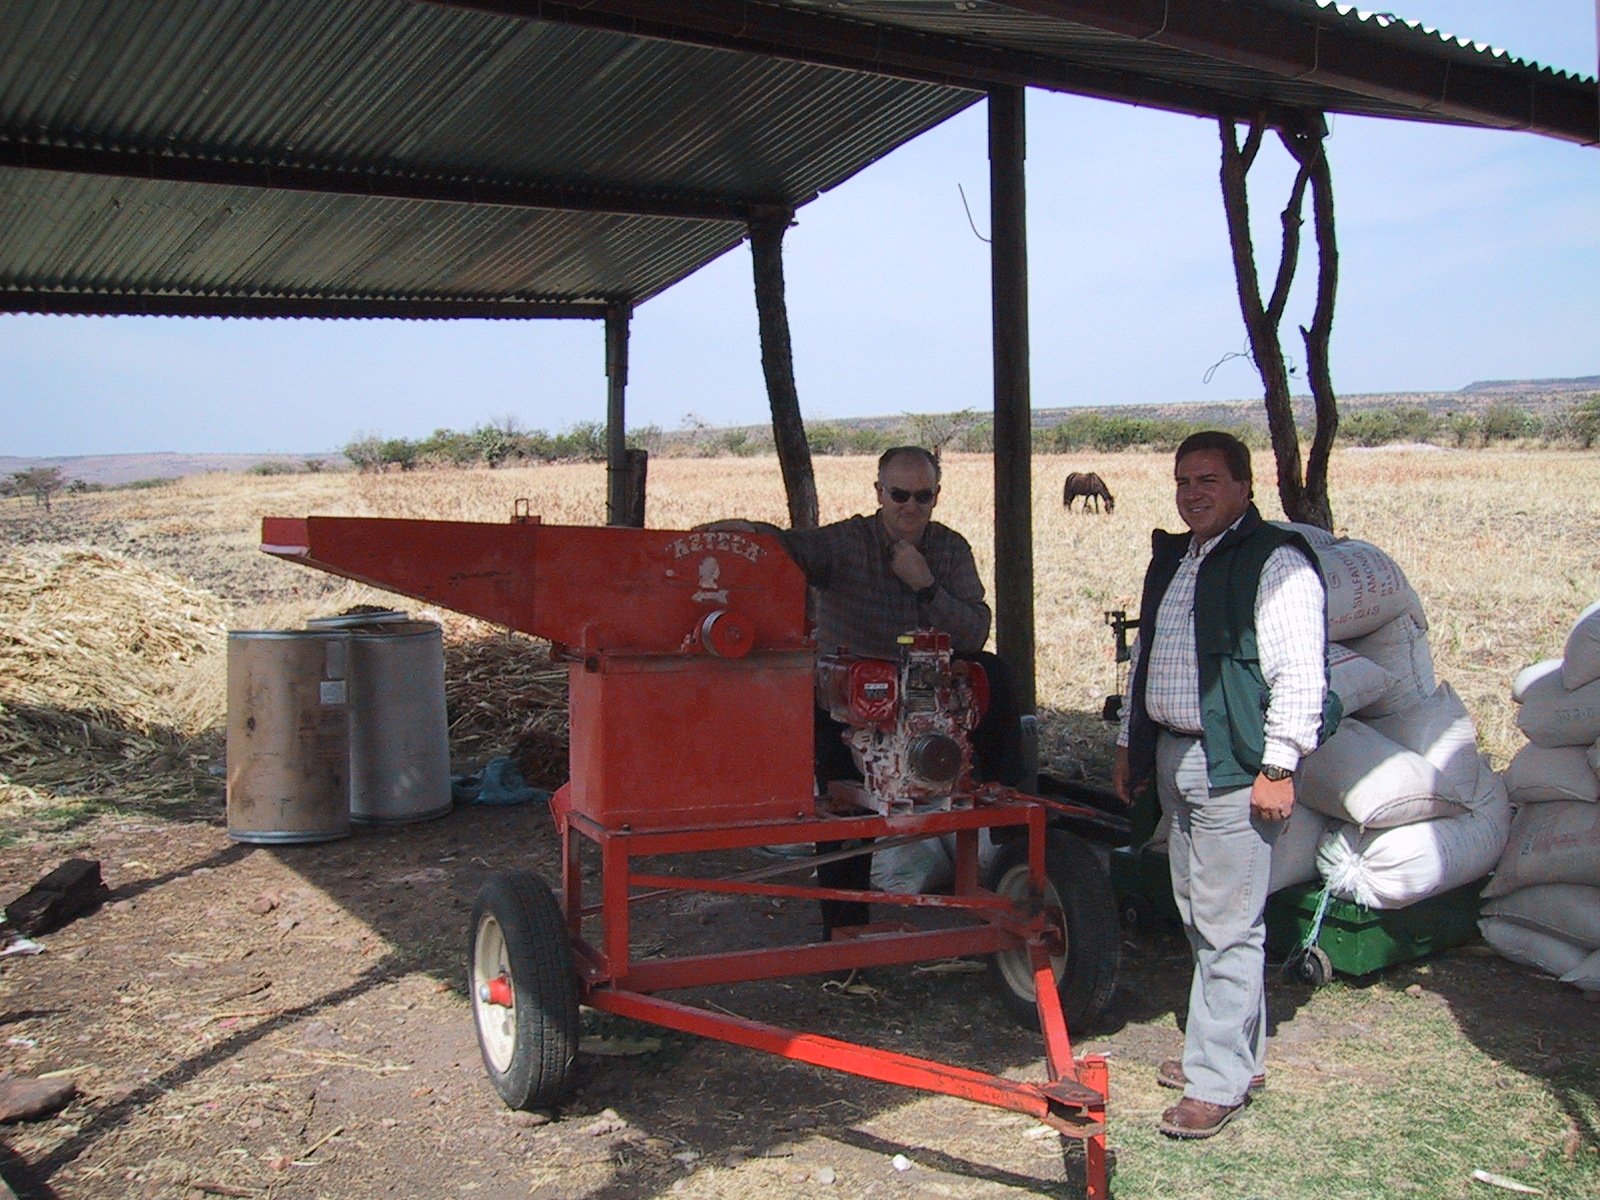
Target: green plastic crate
[1356, 940]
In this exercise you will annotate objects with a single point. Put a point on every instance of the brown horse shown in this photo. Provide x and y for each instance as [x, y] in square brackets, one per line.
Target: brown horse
[1091, 487]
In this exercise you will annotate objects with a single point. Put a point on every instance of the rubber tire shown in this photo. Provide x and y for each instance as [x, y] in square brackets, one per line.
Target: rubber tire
[1309, 965]
[530, 1051]
[1079, 891]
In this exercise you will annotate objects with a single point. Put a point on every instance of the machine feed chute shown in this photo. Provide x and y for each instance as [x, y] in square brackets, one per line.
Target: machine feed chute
[687, 650]
[590, 589]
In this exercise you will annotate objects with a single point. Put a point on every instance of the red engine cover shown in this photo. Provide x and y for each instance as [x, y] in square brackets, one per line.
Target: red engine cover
[858, 691]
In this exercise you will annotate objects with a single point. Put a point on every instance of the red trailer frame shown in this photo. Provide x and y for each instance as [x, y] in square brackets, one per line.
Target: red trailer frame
[677, 641]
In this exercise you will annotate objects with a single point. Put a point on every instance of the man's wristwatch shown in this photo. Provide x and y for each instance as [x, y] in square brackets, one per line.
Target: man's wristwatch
[1277, 774]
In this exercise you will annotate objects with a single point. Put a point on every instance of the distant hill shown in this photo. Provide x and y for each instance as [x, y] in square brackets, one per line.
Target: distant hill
[114, 469]
[1580, 383]
[1537, 396]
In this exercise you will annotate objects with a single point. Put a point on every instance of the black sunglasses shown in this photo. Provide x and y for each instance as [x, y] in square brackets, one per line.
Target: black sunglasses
[923, 496]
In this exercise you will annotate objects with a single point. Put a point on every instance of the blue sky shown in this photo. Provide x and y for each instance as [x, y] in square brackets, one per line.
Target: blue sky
[1464, 255]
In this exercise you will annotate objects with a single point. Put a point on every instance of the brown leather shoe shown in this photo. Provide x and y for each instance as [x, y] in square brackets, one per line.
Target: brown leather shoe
[1190, 1118]
[1170, 1075]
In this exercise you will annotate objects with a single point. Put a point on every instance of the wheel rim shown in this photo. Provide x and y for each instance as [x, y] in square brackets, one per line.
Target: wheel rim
[497, 1023]
[1014, 965]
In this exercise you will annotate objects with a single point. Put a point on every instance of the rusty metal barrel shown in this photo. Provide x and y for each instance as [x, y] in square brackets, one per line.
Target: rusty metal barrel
[288, 735]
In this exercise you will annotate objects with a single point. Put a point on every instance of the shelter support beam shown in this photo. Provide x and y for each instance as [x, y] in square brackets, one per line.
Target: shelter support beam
[1013, 417]
[143, 162]
[777, 364]
[1372, 68]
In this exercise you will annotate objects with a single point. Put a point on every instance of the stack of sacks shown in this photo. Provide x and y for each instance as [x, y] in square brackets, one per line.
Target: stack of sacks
[1544, 899]
[1398, 805]
[1411, 808]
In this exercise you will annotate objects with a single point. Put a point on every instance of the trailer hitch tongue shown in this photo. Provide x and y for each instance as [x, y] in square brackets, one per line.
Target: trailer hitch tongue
[496, 991]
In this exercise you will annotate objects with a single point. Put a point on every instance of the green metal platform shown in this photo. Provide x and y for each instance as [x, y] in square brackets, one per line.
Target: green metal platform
[1356, 940]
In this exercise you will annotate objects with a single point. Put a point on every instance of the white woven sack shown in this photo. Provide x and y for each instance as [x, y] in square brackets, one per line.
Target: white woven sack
[1553, 716]
[1530, 948]
[1529, 676]
[1586, 974]
[1569, 911]
[1400, 647]
[1592, 757]
[1440, 730]
[921, 866]
[1396, 867]
[928, 864]
[1362, 777]
[1366, 589]
[1537, 773]
[1294, 854]
[1558, 842]
[1580, 662]
[1315, 534]
[1357, 681]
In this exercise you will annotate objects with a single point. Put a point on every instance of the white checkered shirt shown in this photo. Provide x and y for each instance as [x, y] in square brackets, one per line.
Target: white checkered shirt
[1291, 636]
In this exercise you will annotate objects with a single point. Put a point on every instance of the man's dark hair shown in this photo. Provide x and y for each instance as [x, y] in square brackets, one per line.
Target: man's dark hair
[917, 452]
[1234, 452]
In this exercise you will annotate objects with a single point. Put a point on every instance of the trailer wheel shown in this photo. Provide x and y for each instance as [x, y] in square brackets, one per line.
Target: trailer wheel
[524, 990]
[1309, 965]
[1079, 901]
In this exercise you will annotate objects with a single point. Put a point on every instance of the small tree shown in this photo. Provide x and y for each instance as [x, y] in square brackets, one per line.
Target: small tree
[39, 482]
[935, 431]
[365, 452]
[1304, 495]
[400, 452]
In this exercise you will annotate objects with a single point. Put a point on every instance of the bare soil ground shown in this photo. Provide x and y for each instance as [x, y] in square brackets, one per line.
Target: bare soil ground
[290, 1021]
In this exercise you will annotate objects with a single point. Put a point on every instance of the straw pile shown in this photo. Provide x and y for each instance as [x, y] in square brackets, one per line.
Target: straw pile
[93, 647]
[505, 697]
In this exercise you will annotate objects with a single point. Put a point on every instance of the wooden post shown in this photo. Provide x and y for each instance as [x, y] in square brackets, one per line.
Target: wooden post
[1013, 416]
[618, 317]
[777, 363]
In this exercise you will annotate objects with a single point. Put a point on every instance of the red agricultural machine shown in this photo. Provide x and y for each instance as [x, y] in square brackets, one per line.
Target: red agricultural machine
[692, 685]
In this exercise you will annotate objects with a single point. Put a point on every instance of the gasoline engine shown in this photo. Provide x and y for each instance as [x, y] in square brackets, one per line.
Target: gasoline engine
[908, 722]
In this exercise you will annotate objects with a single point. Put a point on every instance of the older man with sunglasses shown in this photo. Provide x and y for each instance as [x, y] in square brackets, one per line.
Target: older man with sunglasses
[874, 578]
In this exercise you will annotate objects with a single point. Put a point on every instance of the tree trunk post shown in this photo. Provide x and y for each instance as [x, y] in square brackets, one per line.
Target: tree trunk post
[777, 364]
[1304, 496]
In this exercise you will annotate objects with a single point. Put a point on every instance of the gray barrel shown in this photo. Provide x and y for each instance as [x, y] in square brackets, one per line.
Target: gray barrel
[288, 736]
[399, 735]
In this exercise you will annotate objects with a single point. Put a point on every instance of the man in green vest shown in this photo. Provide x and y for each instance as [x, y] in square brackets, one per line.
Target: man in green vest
[1228, 691]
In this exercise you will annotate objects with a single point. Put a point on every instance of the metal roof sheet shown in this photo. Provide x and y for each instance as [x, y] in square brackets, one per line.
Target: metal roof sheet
[532, 157]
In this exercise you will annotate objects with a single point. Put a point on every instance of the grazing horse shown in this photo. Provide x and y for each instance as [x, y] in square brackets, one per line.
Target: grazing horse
[1091, 487]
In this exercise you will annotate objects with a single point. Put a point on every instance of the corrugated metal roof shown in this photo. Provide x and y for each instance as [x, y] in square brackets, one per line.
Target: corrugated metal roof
[528, 157]
[428, 107]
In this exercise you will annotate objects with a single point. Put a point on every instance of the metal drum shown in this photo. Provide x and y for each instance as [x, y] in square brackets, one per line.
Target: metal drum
[288, 736]
[399, 735]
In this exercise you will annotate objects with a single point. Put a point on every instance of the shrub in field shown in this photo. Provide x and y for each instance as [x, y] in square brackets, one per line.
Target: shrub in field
[1579, 425]
[1507, 423]
[1386, 426]
[273, 467]
[365, 452]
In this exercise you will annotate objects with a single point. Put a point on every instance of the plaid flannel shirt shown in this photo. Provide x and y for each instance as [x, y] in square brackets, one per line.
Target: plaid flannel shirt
[863, 605]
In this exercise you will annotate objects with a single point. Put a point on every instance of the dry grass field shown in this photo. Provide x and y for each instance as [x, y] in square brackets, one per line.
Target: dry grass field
[288, 1021]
